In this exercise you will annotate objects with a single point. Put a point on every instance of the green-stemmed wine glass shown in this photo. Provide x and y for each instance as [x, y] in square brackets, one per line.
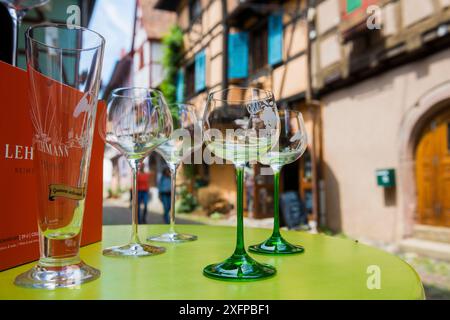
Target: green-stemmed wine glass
[290, 147]
[186, 139]
[239, 125]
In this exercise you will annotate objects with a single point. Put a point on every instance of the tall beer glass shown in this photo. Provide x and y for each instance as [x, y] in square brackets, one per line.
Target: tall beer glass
[64, 67]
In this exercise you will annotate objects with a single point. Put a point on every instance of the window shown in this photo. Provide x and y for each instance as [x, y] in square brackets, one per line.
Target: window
[195, 10]
[190, 80]
[141, 58]
[238, 55]
[195, 76]
[275, 38]
[146, 52]
[156, 69]
[180, 85]
[157, 74]
[364, 44]
[258, 48]
[157, 51]
[200, 71]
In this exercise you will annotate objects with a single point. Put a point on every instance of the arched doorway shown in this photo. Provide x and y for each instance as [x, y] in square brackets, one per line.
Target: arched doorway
[432, 155]
[432, 105]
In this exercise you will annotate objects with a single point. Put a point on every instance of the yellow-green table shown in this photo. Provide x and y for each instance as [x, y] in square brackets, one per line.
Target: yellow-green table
[331, 268]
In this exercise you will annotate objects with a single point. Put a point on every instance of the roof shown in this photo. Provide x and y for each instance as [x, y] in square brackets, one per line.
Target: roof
[169, 5]
[155, 22]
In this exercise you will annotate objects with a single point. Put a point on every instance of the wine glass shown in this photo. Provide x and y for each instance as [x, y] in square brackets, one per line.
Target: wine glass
[239, 125]
[17, 10]
[137, 121]
[186, 139]
[290, 147]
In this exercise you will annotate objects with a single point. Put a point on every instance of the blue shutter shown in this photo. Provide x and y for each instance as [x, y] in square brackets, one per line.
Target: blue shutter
[238, 55]
[180, 85]
[200, 71]
[275, 38]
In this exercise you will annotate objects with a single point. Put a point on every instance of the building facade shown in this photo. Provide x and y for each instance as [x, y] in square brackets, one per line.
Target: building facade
[377, 165]
[150, 27]
[141, 67]
[251, 43]
[381, 72]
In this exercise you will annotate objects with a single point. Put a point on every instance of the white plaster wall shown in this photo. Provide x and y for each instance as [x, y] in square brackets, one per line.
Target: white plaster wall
[361, 133]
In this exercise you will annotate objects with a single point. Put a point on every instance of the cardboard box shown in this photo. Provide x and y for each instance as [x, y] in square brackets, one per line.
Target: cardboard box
[18, 217]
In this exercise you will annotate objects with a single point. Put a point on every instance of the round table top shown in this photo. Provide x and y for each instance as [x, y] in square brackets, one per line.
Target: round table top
[330, 268]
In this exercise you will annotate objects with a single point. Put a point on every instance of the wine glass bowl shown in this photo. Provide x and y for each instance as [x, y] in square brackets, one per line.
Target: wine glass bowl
[291, 145]
[137, 121]
[240, 125]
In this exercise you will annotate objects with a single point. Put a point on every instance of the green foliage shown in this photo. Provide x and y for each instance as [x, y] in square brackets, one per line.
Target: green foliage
[172, 55]
[187, 202]
[188, 171]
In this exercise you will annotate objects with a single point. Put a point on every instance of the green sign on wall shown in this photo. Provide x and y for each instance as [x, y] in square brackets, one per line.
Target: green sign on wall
[386, 178]
[352, 5]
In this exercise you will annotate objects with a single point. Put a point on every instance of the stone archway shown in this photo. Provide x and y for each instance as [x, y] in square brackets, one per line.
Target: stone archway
[428, 106]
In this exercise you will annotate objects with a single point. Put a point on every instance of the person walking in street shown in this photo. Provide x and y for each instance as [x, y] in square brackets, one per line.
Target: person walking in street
[164, 187]
[143, 186]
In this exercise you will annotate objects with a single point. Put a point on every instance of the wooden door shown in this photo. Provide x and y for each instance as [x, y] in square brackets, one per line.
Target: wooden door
[433, 173]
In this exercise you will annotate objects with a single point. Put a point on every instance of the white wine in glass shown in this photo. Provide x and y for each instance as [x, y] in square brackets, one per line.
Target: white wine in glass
[290, 147]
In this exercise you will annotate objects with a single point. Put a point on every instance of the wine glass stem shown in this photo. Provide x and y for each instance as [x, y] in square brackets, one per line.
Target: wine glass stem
[173, 186]
[16, 17]
[240, 249]
[276, 195]
[135, 165]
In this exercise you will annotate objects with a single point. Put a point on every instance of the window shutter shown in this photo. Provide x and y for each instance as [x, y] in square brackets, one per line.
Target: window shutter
[275, 39]
[352, 5]
[200, 71]
[238, 55]
[180, 86]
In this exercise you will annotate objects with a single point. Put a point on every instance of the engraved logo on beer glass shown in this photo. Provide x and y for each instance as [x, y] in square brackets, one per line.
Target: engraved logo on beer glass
[62, 122]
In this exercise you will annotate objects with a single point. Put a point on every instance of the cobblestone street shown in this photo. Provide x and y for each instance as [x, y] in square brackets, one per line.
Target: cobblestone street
[117, 211]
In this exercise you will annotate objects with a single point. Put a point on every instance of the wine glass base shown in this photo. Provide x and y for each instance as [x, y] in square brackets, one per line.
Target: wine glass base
[68, 276]
[240, 267]
[173, 237]
[133, 250]
[276, 245]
